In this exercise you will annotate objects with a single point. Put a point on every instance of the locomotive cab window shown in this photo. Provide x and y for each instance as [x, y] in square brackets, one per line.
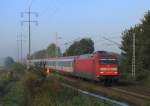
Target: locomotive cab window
[107, 61]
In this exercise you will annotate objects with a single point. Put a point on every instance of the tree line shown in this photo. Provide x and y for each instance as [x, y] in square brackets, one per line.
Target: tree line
[142, 47]
[83, 46]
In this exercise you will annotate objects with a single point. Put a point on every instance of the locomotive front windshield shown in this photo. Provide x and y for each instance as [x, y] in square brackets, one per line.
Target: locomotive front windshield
[107, 61]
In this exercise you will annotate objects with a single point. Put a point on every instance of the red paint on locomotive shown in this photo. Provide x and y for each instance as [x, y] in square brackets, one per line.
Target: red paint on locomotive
[97, 66]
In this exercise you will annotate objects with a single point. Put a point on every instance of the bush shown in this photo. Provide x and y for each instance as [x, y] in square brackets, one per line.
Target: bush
[5, 79]
[35, 89]
[142, 75]
[18, 68]
[16, 96]
[49, 92]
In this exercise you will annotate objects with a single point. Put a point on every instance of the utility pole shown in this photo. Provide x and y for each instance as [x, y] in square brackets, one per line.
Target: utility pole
[29, 21]
[17, 49]
[57, 46]
[133, 57]
[21, 47]
[20, 42]
[56, 50]
[66, 48]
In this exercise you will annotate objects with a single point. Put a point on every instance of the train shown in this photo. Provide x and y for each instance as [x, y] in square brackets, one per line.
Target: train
[98, 66]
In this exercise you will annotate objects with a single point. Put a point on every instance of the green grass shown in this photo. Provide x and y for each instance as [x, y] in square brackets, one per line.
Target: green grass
[15, 96]
[5, 79]
[11, 87]
[49, 92]
[63, 97]
[33, 88]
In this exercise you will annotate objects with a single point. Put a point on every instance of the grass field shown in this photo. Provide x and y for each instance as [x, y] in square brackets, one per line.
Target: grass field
[33, 88]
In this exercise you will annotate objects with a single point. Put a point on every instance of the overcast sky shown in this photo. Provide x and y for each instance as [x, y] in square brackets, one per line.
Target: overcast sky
[72, 19]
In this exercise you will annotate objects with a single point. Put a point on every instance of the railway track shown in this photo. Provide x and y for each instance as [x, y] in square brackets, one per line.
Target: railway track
[103, 99]
[136, 89]
[132, 93]
[122, 93]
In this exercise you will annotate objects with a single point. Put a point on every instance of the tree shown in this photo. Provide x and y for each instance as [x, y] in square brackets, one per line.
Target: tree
[53, 51]
[84, 46]
[142, 34]
[8, 61]
[39, 54]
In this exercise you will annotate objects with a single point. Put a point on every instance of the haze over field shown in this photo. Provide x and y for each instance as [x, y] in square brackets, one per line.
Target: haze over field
[1, 62]
[72, 19]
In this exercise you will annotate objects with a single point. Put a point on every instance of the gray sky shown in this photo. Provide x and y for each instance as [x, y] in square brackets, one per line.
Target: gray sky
[72, 19]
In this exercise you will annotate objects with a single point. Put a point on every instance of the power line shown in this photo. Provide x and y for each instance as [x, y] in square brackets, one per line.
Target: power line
[29, 21]
[114, 33]
[27, 3]
[31, 3]
[119, 45]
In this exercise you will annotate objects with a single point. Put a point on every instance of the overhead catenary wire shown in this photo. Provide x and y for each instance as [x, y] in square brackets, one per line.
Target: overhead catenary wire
[116, 43]
[102, 38]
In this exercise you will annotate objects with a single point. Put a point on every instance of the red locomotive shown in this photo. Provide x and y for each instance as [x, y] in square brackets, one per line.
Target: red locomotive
[97, 66]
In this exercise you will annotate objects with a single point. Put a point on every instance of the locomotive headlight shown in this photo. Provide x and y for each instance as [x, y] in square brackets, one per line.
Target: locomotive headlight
[113, 69]
[103, 69]
[116, 72]
[102, 72]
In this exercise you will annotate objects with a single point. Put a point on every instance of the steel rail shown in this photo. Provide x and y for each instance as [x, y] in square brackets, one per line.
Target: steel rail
[131, 93]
